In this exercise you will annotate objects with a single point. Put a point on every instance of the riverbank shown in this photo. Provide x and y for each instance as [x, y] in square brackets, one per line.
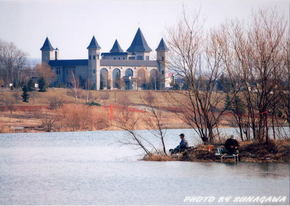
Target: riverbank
[252, 152]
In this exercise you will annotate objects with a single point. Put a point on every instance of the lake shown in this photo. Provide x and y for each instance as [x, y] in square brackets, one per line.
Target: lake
[97, 168]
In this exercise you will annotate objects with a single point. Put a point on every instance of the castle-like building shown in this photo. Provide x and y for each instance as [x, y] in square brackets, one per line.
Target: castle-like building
[116, 69]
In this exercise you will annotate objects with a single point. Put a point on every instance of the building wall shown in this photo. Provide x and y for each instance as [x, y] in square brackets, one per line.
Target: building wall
[90, 76]
[68, 75]
[140, 74]
[46, 56]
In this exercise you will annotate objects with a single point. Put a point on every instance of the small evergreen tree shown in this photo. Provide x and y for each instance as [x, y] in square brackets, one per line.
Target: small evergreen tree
[30, 85]
[42, 85]
[25, 95]
[228, 103]
[238, 106]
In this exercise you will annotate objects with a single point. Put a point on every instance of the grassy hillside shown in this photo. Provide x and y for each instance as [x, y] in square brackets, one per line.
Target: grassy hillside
[17, 116]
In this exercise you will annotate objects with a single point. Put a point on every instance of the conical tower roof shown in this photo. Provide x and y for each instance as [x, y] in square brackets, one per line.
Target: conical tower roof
[139, 43]
[116, 47]
[162, 46]
[94, 44]
[47, 45]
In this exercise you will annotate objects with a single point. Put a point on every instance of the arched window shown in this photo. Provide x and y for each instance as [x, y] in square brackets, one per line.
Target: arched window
[117, 78]
[154, 83]
[141, 79]
[128, 79]
[104, 78]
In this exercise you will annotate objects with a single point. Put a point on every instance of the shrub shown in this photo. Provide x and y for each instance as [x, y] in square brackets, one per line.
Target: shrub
[93, 103]
[77, 117]
[42, 85]
[158, 157]
[25, 95]
[55, 102]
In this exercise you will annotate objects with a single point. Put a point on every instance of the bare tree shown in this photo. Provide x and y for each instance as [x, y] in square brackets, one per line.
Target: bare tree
[55, 102]
[9, 102]
[48, 122]
[12, 62]
[128, 122]
[198, 61]
[75, 85]
[44, 71]
[154, 119]
[259, 58]
[236, 108]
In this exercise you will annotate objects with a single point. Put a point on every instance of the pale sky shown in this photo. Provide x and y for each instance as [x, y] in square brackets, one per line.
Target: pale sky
[70, 24]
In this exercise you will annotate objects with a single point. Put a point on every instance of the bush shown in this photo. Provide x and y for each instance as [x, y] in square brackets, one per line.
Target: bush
[30, 85]
[92, 103]
[42, 85]
[55, 102]
[77, 117]
[25, 95]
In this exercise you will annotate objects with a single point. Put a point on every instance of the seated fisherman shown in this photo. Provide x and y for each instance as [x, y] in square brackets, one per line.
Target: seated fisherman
[232, 146]
[181, 147]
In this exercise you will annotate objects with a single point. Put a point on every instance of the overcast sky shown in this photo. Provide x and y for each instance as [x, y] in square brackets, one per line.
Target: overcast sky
[70, 24]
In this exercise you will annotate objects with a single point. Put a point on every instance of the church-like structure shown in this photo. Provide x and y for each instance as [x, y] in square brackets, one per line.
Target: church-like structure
[116, 69]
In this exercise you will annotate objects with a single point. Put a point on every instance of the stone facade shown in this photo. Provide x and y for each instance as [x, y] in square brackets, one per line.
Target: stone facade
[116, 69]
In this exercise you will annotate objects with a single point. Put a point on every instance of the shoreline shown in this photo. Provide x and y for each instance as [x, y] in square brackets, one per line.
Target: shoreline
[277, 151]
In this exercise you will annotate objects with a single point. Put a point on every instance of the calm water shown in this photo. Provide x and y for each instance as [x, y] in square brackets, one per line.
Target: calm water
[95, 168]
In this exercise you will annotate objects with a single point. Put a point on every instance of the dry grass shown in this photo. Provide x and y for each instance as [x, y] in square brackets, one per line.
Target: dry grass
[76, 117]
[157, 157]
[169, 102]
[4, 129]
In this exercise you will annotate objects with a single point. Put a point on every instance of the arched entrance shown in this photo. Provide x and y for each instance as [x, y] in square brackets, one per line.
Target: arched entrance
[128, 79]
[104, 79]
[116, 78]
[141, 79]
[153, 83]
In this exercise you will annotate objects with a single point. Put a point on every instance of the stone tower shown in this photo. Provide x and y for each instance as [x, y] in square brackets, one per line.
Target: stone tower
[94, 63]
[47, 52]
[162, 50]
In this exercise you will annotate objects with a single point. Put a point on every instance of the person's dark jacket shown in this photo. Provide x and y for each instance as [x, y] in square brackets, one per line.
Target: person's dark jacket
[231, 146]
[182, 145]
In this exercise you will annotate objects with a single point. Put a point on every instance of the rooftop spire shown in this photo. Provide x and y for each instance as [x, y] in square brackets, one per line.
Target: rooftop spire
[116, 47]
[94, 44]
[139, 43]
[162, 46]
[47, 45]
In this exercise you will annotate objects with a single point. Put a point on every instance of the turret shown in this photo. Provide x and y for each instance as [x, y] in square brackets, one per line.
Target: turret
[162, 50]
[94, 49]
[47, 52]
[139, 48]
[94, 62]
[116, 47]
